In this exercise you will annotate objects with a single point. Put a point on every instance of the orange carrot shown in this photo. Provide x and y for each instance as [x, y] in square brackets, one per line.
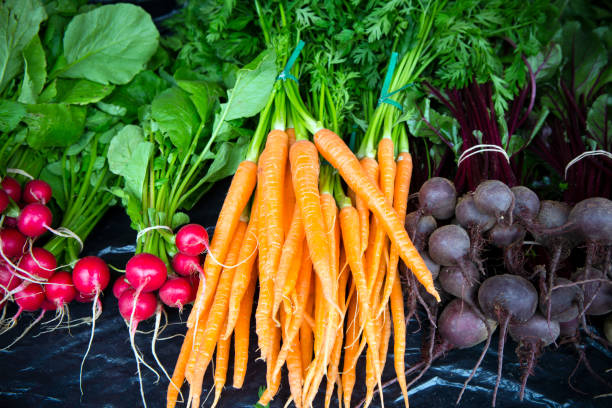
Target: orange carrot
[216, 317]
[242, 331]
[289, 257]
[400, 203]
[244, 270]
[294, 363]
[222, 362]
[302, 289]
[370, 166]
[271, 175]
[399, 335]
[349, 222]
[305, 175]
[237, 198]
[273, 380]
[179, 370]
[335, 151]
[306, 331]
[351, 345]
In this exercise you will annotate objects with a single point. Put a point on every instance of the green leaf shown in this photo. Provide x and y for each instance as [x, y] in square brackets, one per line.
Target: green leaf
[202, 94]
[599, 122]
[35, 71]
[253, 85]
[81, 91]
[52, 174]
[11, 114]
[546, 63]
[176, 116]
[128, 156]
[111, 109]
[54, 125]
[132, 207]
[19, 22]
[140, 91]
[589, 55]
[179, 219]
[99, 121]
[111, 43]
[227, 159]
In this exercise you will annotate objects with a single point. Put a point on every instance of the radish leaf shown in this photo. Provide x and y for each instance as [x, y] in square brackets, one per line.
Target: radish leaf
[109, 44]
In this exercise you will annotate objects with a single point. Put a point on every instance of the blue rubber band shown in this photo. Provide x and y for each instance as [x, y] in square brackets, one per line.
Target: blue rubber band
[385, 95]
[285, 73]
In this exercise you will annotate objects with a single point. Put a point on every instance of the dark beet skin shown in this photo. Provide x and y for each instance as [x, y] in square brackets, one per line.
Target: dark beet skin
[419, 228]
[460, 326]
[449, 245]
[495, 198]
[437, 197]
[597, 295]
[503, 235]
[460, 283]
[526, 203]
[569, 329]
[563, 303]
[507, 299]
[553, 214]
[593, 219]
[608, 328]
[508, 294]
[469, 216]
[433, 267]
[535, 330]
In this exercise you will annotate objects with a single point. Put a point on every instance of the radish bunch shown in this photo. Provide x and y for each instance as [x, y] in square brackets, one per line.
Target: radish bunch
[147, 281]
[506, 258]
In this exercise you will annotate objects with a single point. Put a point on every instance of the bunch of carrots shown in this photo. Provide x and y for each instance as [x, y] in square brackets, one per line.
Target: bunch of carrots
[322, 239]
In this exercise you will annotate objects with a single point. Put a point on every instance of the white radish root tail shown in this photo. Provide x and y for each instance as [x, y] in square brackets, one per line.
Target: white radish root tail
[95, 304]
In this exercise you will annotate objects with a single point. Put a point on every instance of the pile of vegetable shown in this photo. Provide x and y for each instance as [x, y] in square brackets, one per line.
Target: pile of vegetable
[327, 116]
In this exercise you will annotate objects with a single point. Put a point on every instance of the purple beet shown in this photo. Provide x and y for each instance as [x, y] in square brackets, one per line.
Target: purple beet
[469, 216]
[503, 235]
[526, 203]
[460, 326]
[532, 336]
[437, 197]
[570, 328]
[463, 285]
[562, 305]
[507, 299]
[420, 228]
[593, 219]
[597, 294]
[496, 199]
[449, 245]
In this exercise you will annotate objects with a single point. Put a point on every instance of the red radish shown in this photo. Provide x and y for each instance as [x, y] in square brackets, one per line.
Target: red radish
[137, 308]
[192, 239]
[12, 242]
[146, 272]
[34, 220]
[120, 286]
[10, 222]
[39, 263]
[8, 280]
[186, 265]
[4, 201]
[12, 188]
[59, 289]
[81, 298]
[176, 292]
[90, 275]
[48, 306]
[29, 298]
[37, 191]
